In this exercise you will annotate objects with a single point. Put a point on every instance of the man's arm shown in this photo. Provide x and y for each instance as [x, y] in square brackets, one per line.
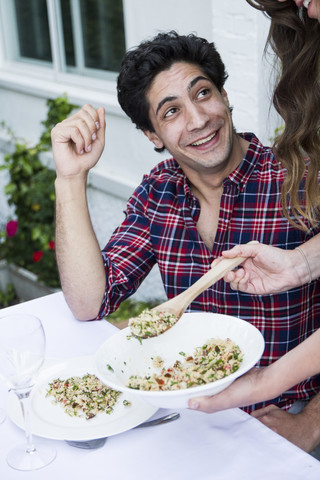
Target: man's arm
[302, 429]
[77, 144]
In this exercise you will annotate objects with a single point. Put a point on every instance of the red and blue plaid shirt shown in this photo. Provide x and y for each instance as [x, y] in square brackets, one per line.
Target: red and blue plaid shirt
[160, 227]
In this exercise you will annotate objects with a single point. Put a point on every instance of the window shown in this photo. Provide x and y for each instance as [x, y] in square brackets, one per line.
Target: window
[85, 37]
[32, 25]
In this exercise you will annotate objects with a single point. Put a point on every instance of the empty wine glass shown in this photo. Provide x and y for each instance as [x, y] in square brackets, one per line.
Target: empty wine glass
[22, 351]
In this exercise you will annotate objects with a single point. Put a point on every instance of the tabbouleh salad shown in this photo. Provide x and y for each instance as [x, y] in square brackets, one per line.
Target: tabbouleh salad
[151, 323]
[214, 360]
[84, 396]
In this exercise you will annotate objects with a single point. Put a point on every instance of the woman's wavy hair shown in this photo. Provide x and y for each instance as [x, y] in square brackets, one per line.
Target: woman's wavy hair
[295, 39]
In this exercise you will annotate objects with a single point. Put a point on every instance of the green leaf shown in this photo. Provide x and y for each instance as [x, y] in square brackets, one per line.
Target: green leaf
[31, 192]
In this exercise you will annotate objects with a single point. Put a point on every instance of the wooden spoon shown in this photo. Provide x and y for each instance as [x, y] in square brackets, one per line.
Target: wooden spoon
[159, 319]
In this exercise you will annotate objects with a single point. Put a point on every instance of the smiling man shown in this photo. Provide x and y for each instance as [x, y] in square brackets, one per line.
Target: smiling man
[192, 120]
[217, 189]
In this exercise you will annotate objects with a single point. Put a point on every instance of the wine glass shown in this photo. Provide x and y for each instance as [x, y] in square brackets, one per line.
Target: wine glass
[22, 351]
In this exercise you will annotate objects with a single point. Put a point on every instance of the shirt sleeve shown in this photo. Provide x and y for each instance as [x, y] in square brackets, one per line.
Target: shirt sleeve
[128, 256]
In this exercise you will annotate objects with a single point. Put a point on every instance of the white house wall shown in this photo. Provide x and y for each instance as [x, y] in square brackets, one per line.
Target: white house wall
[239, 32]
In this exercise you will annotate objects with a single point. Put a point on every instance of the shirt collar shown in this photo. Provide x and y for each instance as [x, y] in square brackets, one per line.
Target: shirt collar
[242, 173]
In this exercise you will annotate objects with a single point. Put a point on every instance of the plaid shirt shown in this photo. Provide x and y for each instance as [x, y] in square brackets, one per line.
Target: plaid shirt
[160, 227]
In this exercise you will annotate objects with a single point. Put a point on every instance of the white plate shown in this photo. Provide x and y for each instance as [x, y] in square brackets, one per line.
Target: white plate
[50, 421]
[133, 357]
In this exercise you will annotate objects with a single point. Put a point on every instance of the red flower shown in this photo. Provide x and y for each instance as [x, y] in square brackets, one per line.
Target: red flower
[51, 245]
[37, 256]
[12, 228]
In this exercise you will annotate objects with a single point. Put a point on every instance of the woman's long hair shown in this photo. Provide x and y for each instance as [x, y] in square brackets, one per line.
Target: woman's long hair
[295, 38]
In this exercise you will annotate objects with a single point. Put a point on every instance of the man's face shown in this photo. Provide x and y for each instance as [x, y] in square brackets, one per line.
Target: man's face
[191, 118]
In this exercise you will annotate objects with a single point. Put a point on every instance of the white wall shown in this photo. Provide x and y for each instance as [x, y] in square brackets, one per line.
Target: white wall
[239, 32]
[184, 16]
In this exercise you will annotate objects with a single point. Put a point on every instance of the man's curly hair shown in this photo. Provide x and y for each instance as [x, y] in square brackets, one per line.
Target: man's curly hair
[142, 64]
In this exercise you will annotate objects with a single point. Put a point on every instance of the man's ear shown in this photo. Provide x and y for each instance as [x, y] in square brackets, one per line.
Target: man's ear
[153, 137]
[225, 97]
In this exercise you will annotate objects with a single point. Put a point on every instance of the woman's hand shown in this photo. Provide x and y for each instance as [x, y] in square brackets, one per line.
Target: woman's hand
[241, 392]
[266, 269]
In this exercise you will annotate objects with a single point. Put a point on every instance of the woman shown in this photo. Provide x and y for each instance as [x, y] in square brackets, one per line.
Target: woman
[295, 37]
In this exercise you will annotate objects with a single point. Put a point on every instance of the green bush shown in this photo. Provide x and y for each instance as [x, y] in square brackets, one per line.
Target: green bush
[8, 297]
[28, 239]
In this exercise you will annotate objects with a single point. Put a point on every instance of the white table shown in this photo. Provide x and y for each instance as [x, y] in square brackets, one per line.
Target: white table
[222, 446]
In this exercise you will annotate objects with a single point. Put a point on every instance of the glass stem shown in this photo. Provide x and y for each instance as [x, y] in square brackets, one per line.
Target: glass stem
[23, 396]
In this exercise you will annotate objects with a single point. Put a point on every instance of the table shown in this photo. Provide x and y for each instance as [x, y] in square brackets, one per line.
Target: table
[221, 446]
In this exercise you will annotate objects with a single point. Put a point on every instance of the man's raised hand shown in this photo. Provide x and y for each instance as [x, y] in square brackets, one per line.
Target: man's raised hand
[78, 141]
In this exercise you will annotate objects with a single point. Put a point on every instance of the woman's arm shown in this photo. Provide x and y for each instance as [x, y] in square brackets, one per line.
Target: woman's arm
[272, 270]
[263, 384]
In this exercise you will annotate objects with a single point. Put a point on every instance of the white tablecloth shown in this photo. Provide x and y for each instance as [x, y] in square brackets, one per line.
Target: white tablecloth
[222, 446]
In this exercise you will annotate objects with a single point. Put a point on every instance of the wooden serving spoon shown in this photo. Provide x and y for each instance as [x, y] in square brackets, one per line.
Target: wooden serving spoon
[159, 319]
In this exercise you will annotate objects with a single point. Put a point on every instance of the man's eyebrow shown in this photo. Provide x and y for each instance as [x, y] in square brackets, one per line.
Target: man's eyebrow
[191, 84]
[163, 101]
[196, 80]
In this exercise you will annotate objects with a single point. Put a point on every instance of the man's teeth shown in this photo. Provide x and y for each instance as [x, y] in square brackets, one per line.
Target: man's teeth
[204, 140]
[306, 3]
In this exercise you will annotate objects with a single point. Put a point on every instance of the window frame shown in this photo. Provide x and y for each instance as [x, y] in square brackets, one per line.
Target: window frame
[57, 70]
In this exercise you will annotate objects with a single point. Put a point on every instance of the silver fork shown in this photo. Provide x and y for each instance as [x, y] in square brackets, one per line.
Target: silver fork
[99, 442]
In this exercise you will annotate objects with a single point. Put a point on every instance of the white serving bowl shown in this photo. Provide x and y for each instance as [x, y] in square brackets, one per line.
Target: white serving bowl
[129, 356]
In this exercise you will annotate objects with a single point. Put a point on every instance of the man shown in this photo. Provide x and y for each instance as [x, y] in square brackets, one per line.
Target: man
[219, 189]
